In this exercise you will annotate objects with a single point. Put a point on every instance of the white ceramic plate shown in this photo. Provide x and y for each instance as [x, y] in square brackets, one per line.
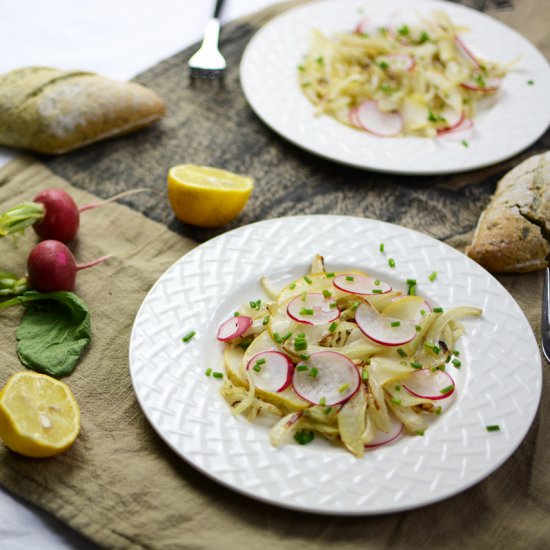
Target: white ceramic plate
[519, 117]
[499, 382]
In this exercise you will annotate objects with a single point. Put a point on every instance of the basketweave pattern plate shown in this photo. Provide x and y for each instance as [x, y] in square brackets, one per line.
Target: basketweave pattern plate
[499, 381]
[517, 119]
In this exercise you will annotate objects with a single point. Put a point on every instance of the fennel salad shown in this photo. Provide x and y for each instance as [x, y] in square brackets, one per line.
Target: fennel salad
[413, 77]
[341, 355]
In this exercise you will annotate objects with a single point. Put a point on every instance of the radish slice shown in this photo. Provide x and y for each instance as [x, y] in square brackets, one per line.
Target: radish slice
[313, 308]
[482, 84]
[384, 330]
[383, 438]
[352, 117]
[359, 284]
[327, 377]
[271, 370]
[430, 385]
[466, 124]
[397, 62]
[452, 117]
[466, 52]
[378, 122]
[233, 328]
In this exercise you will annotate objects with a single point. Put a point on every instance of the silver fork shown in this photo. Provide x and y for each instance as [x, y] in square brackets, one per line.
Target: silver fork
[208, 62]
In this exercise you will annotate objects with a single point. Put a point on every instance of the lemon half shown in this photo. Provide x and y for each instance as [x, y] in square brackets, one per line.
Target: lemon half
[39, 416]
[206, 196]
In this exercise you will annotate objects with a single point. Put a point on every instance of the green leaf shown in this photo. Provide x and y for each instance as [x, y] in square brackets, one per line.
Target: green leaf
[54, 331]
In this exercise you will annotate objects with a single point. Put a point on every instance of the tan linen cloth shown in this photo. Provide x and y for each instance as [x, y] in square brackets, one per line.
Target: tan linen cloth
[119, 484]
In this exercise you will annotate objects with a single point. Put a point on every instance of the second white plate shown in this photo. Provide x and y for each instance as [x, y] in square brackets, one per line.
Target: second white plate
[499, 381]
[270, 83]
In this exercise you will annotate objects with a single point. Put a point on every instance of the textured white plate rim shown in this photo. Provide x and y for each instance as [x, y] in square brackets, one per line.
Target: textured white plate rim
[329, 510]
[431, 159]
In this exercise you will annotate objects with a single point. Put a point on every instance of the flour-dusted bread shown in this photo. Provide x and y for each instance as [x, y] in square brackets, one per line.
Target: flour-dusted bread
[513, 232]
[52, 111]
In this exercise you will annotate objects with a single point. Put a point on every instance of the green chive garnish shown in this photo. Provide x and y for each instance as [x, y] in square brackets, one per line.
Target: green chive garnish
[301, 368]
[391, 262]
[343, 388]
[303, 437]
[416, 365]
[365, 375]
[266, 320]
[307, 311]
[333, 327]
[530, 82]
[456, 363]
[354, 306]
[260, 361]
[322, 401]
[350, 278]
[381, 247]
[456, 353]
[397, 387]
[313, 372]
[328, 410]
[327, 293]
[493, 428]
[422, 312]
[208, 371]
[411, 282]
[395, 324]
[438, 310]
[277, 338]
[376, 291]
[419, 432]
[292, 286]
[446, 390]
[188, 336]
[257, 367]
[437, 410]
[433, 276]
[401, 352]
[307, 280]
[377, 282]
[217, 374]
[396, 401]
[286, 336]
[236, 314]
[465, 143]
[418, 328]
[304, 356]
[329, 275]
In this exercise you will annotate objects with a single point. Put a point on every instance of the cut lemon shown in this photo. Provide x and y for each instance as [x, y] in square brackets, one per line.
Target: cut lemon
[205, 196]
[39, 416]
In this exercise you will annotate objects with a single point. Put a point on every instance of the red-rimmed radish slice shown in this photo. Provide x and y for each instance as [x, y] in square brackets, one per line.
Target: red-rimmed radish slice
[352, 117]
[397, 62]
[373, 120]
[490, 84]
[452, 117]
[361, 27]
[466, 52]
[327, 377]
[233, 328]
[361, 285]
[271, 370]
[383, 438]
[384, 330]
[430, 385]
[312, 308]
[465, 124]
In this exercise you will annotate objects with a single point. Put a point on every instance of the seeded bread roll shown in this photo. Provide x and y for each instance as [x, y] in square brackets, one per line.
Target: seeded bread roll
[52, 111]
[512, 233]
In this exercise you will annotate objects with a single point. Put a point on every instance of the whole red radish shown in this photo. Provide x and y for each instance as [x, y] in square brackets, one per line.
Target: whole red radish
[62, 217]
[52, 267]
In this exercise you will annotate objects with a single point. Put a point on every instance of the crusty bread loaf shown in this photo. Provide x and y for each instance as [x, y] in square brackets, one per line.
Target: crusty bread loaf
[53, 111]
[512, 233]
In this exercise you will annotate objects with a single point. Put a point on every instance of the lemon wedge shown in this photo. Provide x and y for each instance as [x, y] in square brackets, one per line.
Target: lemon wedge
[39, 416]
[205, 196]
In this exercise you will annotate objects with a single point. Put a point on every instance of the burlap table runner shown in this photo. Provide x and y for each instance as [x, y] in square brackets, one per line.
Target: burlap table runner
[119, 484]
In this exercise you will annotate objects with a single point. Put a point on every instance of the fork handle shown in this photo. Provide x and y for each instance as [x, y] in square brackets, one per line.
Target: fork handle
[218, 8]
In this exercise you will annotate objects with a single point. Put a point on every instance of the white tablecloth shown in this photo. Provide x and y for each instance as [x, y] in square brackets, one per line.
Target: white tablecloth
[117, 38]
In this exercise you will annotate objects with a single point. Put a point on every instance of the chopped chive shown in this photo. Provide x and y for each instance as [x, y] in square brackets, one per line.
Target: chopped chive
[465, 143]
[277, 338]
[307, 311]
[391, 262]
[437, 410]
[266, 320]
[327, 293]
[411, 282]
[255, 304]
[433, 276]
[329, 275]
[208, 371]
[412, 290]
[438, 310]
[365, 375]
[286, 336]
[328, 410]
[236, 314]
[217, 374]
[436, 349]
[292, 286]
[322, 401]
[446, 390]
[333, 326]
[304, 296]
[303, 437]
[424, 37]
[456, 353]
[418, 328]
[422, 312]
[320, 60]
[383, 65]
[244, 345]
[401, 352]
[493, 428]
[530, 82]
[448, 359]
[188, 336]
[404, 30]
[377, 282]
[381, 247]
[354, 306]
[332, 305]
[395, 324]
[397, 387]
[419, 432]
[396, 401]
[300, 345]
[343, 388]
[301, 368]
[260, 361]
[416, 365]
[350, 278]
[307, 280]
[456, 363]
[314, 372]
[376, 291]
[304, 356]
[257, 367]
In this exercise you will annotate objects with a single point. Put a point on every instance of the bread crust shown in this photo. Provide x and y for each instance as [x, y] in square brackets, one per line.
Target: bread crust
[512, 233]
[52, 111]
